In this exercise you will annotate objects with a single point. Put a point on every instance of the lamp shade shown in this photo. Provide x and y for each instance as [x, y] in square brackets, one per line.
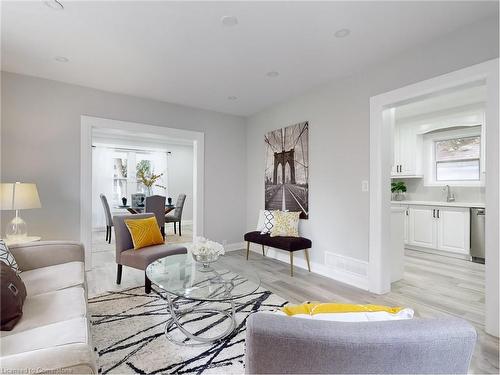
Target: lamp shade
[19, 196]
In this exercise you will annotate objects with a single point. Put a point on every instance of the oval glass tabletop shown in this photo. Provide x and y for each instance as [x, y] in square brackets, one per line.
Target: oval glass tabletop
[182, 276]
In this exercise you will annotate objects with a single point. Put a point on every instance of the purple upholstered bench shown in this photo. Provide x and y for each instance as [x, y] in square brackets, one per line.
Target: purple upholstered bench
[289, 244]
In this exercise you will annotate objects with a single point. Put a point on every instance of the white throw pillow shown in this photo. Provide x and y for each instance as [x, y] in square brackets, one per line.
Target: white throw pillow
[260, 223]
[268, 222]
[7, 257]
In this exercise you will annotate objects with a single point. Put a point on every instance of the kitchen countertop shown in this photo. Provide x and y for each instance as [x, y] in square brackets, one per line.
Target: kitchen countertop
[440, 203]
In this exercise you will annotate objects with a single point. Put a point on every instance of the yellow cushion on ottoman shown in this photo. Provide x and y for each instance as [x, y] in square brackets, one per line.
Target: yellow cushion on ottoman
[144, 232]
[325, 308]
[345, 312]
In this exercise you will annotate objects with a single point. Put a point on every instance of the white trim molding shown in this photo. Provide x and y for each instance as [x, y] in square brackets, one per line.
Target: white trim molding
[88, 123]
[347, 270]
[235, 246]
[380, 135]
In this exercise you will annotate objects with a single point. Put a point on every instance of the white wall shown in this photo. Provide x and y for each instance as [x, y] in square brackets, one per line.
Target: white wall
[180, 177]
[41, 144]
[338, 116]
[417, 191]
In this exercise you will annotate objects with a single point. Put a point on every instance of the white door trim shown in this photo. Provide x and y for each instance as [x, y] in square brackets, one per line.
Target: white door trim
[380, 166]
[88, 123]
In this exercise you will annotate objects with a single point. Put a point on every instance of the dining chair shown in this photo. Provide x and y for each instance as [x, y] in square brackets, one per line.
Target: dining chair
[142, 258]
[107, 214]
[156, 204]
[176, 217]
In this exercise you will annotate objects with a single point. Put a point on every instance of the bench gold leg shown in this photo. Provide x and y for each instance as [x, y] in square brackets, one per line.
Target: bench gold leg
[263, 252]
[291, 263]
[307, 258]
[248, 249]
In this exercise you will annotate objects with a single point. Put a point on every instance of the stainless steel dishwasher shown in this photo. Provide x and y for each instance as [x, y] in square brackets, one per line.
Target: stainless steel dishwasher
[477, 234]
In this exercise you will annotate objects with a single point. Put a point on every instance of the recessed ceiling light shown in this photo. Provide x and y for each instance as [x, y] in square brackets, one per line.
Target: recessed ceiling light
[342, 33]
[54, 4]
[272, 74]
[232, 97]
[61, 59]
[229, 21]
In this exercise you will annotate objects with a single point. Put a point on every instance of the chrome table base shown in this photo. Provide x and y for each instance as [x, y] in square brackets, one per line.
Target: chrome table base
[176, 314]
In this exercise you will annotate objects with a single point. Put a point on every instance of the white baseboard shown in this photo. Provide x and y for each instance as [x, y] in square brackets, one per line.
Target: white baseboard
[235, 246]
[341, 270]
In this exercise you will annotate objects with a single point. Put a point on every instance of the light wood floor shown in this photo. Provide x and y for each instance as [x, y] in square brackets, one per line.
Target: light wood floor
[433, 286]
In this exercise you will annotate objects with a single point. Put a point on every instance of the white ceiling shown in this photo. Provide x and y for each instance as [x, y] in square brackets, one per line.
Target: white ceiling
[450, 99]
[180, 52]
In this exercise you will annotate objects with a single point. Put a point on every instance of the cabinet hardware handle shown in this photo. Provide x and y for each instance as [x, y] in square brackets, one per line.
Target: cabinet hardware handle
[434, 213]
[407, 213]
[438, 214]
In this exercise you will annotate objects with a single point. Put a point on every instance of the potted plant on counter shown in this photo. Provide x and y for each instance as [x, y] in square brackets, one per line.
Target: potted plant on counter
[398, 190]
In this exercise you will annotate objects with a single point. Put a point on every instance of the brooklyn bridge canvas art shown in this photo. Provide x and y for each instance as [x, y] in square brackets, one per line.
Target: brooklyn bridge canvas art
[287, 169]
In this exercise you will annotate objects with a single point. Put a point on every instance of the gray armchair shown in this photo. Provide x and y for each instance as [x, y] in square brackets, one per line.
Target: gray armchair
[176, 217]
[277, 344]
[156, 204]
[138, 259]
[107, 214]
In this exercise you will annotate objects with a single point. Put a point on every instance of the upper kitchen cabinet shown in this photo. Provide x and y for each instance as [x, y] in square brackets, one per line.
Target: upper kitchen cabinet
[407, 152]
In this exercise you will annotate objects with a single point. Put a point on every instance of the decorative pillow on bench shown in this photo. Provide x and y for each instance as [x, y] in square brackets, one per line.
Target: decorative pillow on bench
[342, 312]
[266, 221]
[285, 224]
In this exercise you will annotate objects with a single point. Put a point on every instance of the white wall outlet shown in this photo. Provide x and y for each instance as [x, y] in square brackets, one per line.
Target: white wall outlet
[364, 185]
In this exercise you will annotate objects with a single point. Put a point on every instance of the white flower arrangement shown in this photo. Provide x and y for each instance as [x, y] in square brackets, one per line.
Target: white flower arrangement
[204, 248]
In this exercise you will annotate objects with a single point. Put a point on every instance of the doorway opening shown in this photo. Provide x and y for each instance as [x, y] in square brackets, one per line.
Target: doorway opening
[120, 161]
[432, 143]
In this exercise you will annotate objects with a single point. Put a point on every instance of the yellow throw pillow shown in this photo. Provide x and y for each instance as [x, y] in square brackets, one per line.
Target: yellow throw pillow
[144, 232]
[326, 308]
[285, 224]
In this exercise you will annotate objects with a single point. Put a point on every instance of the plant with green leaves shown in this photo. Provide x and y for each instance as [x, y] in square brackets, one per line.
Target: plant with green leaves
[147, 177]
[398, 187]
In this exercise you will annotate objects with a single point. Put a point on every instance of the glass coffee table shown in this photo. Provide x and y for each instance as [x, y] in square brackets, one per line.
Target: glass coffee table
[184, 280]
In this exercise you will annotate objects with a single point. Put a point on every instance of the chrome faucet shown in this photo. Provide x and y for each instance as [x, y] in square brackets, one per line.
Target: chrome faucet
[450, 197]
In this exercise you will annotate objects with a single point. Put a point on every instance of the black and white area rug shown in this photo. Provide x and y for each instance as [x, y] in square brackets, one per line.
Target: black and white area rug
[128, 333]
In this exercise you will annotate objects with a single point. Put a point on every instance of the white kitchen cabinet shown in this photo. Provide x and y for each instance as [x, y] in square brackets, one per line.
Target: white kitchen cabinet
[453, 229]
[439, 228]
[407, 152]
[422, 226]
[406, 224]
[406, 216]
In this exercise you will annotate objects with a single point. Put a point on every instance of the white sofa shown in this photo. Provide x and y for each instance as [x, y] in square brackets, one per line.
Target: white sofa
[54, 331]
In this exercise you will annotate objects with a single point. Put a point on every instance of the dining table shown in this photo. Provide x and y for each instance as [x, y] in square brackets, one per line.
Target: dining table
[140, 209]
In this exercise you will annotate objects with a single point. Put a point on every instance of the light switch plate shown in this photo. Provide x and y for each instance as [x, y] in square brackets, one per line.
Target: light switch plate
[364, 185]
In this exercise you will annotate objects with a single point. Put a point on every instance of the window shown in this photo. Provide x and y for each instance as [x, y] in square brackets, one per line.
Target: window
[145, 166]
[119, 176]
[458, 159]
[127, 163]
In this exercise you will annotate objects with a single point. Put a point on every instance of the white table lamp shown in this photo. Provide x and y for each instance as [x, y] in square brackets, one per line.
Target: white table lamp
[18, 196]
